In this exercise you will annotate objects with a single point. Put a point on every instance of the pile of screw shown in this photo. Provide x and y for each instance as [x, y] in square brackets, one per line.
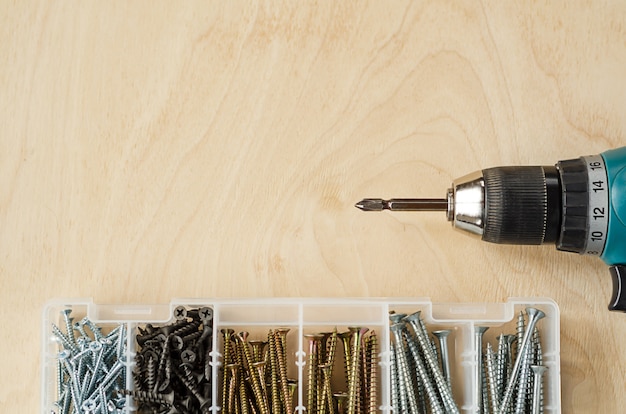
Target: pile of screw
[90, 369]
[360, 372]
[254, 375]
[511, 382]
[419, 384]
[173, 371]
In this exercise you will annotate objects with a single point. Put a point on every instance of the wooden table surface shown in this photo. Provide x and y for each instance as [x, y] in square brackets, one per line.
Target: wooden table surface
[153, 150]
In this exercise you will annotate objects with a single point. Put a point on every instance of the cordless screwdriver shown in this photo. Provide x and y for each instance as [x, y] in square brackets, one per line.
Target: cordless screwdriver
[578, 204]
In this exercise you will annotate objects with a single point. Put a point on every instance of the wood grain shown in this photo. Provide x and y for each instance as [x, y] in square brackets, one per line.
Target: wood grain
[215, 149]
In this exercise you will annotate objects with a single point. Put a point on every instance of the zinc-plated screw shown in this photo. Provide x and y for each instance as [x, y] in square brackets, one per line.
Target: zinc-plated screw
[534, 315]
[78, 326]
[521, 329]
[67, 399]
[406, 383]
[538, 371]
[395, 382]
[68, 325]
[418, 326]
[494, 391]
[442, 336]
[525, 380]
[98, 350]
[500, 368]
[64, 340]
[96, 330]
[431, 392]
[396, 317]
[478, 378]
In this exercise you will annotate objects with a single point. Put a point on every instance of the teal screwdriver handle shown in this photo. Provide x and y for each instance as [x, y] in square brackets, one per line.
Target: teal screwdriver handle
[614, 253]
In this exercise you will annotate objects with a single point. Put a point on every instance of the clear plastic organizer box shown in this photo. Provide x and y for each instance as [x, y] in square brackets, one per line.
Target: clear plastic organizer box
[311, 315]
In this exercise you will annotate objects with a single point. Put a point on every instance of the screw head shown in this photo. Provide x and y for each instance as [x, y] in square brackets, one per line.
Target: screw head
[396, 317]
[64, 355]
[188, 356]
[95, 346]
[177, 342]
[180, 313]
[397, 327]
[538, 369]
[534, 312]
[444, 333]
[480, 330]
[105, 341]
[88, 406]
[414, 317]
[206, 314]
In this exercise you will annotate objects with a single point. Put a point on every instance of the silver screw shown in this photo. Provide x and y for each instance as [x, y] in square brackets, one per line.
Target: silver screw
[419, 329]
[396, 317]
[521, 329]
[395, 381]
[494, 390]
[538, 371]
[442, 336]
[423, 374]
[68, 325]
[406, 384]
[478, 377]
[97, 332]
[64, 340]
[534, 315]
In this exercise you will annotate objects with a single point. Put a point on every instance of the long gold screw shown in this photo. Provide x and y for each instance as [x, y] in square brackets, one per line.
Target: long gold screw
[281, 352]
[273, 357]
[353, 385]
[233, 375]
[257, 346]
[256, 385]
[326, 375]
[341, 399]
[228, 333]
[281, 333]
[293, 386]
[326, 397]
[311, 400]
[345, 339]
[373, 373]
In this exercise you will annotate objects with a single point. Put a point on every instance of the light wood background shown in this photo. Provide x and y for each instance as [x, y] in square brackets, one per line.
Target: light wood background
[152, 150]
